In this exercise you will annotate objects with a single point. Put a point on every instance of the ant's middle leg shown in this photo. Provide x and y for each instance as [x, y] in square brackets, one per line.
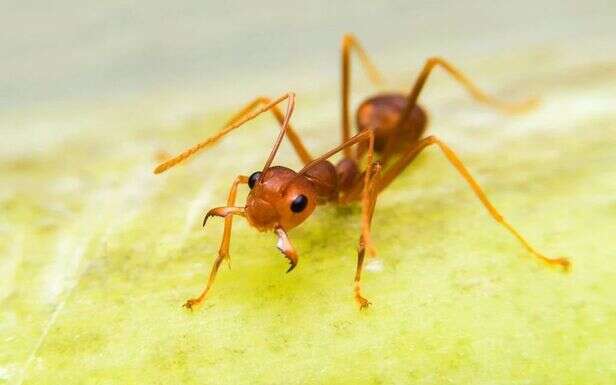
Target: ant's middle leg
[414, 150]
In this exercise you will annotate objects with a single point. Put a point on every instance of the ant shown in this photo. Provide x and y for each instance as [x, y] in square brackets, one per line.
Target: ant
[390, 126]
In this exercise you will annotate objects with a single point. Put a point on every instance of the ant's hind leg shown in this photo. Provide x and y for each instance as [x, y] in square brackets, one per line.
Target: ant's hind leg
[401, 164]
[349, 42]
[473, 90]
[223, 251]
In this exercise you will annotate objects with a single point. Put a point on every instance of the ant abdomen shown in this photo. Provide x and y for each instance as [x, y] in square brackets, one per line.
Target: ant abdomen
[383, 114]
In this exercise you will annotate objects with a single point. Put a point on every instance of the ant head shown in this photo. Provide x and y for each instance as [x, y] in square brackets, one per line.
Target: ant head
[279, 197]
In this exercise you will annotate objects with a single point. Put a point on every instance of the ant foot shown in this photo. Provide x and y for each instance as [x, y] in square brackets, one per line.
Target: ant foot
[561, 262]
[191, 303]
[362, 302]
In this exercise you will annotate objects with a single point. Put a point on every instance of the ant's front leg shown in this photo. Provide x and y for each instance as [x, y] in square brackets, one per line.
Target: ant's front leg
[365, 240]
[223, 251]
[368, 201]
[226, 237]
[369, 188]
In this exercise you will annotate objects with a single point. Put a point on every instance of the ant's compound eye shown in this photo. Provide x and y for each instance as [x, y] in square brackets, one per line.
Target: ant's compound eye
[299, 203]
[253, 179]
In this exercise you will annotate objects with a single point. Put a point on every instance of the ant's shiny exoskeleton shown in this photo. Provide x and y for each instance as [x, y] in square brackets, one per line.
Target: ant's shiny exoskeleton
[390, 126]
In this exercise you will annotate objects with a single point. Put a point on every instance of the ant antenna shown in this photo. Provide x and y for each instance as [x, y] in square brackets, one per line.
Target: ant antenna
[216, 137]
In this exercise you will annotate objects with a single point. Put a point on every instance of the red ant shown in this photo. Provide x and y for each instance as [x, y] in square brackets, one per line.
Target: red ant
[389, 125]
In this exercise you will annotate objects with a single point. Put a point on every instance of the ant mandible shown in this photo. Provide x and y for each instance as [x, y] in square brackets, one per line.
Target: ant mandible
[390, 126]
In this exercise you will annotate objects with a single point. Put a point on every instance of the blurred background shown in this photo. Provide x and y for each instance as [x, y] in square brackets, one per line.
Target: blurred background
[72, 50]
[76, 55]
[97, 254]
